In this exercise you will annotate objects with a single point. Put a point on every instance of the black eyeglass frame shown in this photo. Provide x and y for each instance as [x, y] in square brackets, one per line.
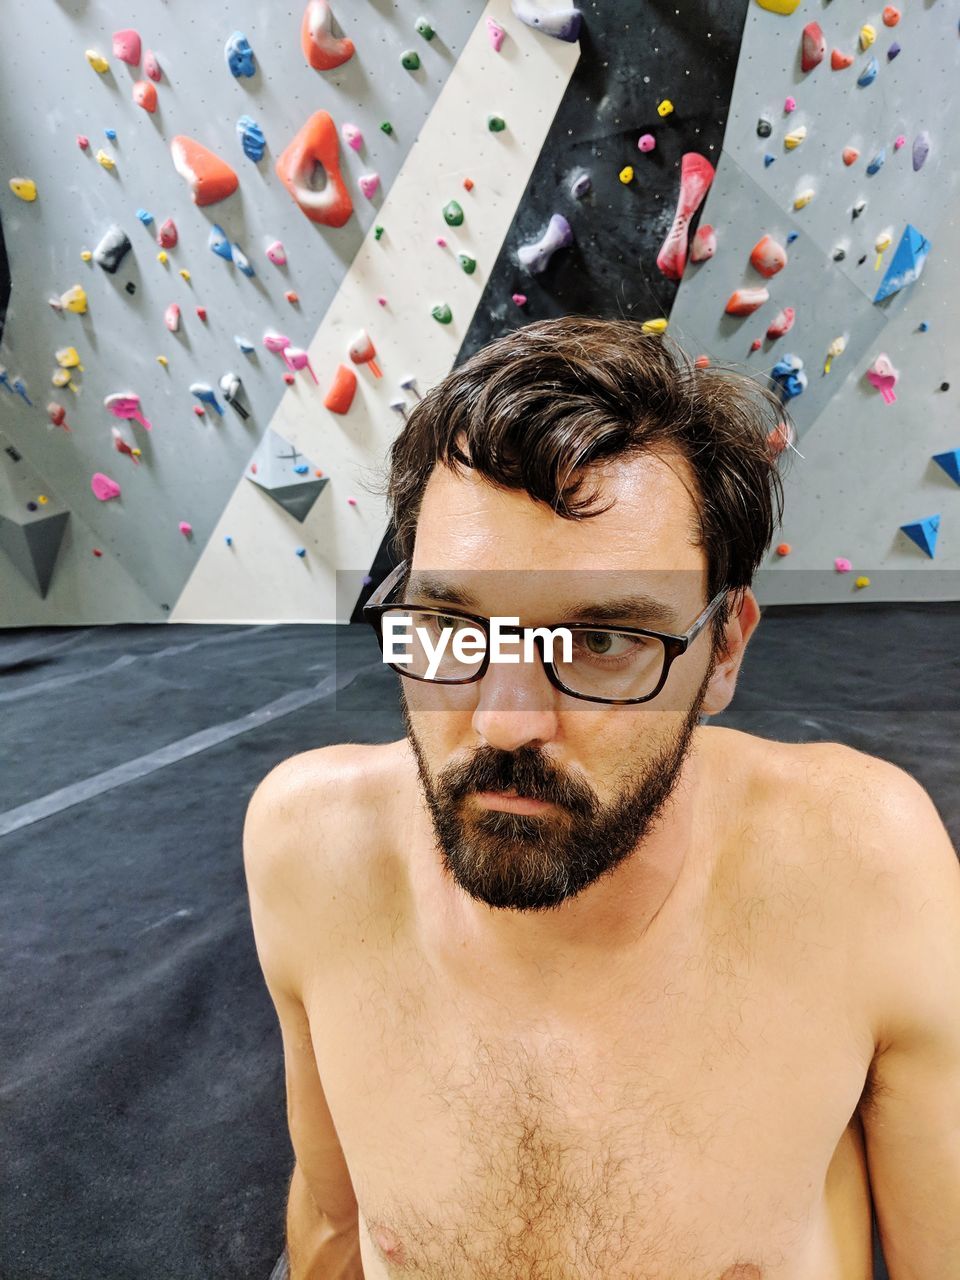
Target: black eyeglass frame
[674, 645]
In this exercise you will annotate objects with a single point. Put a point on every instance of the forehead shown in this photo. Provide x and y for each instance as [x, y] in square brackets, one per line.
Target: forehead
[467, 523]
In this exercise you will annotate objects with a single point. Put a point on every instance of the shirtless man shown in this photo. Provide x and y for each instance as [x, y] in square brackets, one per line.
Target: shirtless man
[582, 989]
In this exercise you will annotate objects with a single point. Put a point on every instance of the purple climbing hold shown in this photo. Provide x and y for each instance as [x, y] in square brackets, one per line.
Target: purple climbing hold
[581, 184]
[893, 51]
[564, 24]
[537, 255]
[921, 149]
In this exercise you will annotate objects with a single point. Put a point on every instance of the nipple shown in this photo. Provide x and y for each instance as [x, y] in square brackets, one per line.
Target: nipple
[389, 1244]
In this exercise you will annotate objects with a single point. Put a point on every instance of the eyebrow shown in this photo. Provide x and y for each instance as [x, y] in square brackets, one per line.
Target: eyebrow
[634, 609]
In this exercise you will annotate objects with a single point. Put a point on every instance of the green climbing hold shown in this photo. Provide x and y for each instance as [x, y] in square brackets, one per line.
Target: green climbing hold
[496, 124]
[386, 127]
[442, 313]
[469, 264]
[410, 59]
[424, 28]
[452, 214]
[377, 232]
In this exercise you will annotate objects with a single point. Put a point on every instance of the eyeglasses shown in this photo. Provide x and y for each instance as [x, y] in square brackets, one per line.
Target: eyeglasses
[633, 669]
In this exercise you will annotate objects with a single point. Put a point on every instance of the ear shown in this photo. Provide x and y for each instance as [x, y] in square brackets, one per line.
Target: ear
[740, 627]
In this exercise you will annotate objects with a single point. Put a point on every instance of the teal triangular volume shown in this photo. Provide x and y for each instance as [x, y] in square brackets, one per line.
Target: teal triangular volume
[906, 264]
[33, 547]
[924, 533]
[950, 461]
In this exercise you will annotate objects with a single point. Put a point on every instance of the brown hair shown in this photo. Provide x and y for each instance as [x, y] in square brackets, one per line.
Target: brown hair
[537, 406]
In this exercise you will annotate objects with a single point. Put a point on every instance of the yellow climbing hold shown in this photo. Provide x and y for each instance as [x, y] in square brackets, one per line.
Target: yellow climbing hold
[75, 300]
[61, 378]
[779, 6]
[108, 162]
[86, 255]
[803, 198]
[42, 499]
[883, 242]
[163, 360]
[185, 273]
[24, 188]
[793, 140]
[97, 61]
[665, 107]
[69, 358]
[162, 256]
[867, 36]
[626, 174]
[654, 326]
[862, 582]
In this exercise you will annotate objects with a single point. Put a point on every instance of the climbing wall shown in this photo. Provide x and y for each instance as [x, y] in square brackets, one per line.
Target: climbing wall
[493, 173]
[834, 163]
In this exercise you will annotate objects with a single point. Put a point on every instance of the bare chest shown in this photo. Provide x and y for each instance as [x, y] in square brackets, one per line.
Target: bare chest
[681, 1127]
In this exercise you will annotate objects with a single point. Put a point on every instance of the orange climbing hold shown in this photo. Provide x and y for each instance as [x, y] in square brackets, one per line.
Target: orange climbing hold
[891, 16]
[340, 396]
[210, 178]
[840, 60]
[316, 145]
[321, 48]
[145, 95]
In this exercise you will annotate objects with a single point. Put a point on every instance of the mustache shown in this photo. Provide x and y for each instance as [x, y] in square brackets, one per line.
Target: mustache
[525, 770]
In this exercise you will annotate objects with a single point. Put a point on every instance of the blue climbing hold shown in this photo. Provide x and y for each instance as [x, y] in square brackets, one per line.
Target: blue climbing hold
[228, 540]
[868, 74]
[768, 160]
[301, 552]
[111, 134]
[923, 326]
[239, 55]
[19, 386]
[792, 235]
[219, 243]
[145, 216]
[205, 394]
[245, 345]
[878, 161]
[906, 264]
[950, 461]
[789, 376]
[242, 261]
[251, 138]
[923, 533]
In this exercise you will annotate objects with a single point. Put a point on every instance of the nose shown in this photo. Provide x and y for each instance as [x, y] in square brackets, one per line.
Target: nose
[517, 705]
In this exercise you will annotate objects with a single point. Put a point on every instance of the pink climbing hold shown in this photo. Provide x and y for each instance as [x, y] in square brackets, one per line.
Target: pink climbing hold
[145, 95]
[368, 183]
[495, 34]
[441, 242]
[126, 47]
[790, 105]
[782, 323]
[704, 243]
[768, 257]
[277, 254]
[883, 376]
[83, 142]
[813, 46]
[646, 142]
[743, 302]
[124, 404]
[297, 359]
[519, 298]
[756, 344]
[696, 175]
[151, 66]
[185, 528]
[899, 142]
[842, 564]
[167, 235]
[171, 317]
[103, 487]
[321, 48]
[352, 136]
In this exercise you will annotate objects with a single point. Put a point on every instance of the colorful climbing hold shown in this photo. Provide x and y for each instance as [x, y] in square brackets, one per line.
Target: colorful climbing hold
[803, 198]
[145, 95]
[790, 105]
[768, 257]
[789, 375]
[316, 145]
[83, 142]
[536, 256]
[868, 34]
[453, 213]
[704, 243]
[292, 297]
[908, 261]
[891, 16]
[665, 108]
[877, 163]
[768, 160]
[352, 136]
[105, 159]
[162, 257]
[884, 377]
[145, 216]
[813, 46]
[362, 351]
[869, 74]
[839, 60]
[520, 299]
[410, 60]
[921, 149]
[924, 534]
[386, 127]
[368, 184]
[858, 208]
[321, 48]
[842, 564]
[793, 139]
[580, 184]
[784, 7]
[171, 317]
[468, 264]
[207, 396]
[24, 189]
[97, 61]
[496, 124]
[210, 179]
[836, 348]
[251, 138]
[239, 55]
[468, 184]
[241, 261]
[219, 243]
[111, 134]
[646, 142]
[126, 47]
[659, 325]
[495, 34]
[850, 155]
[201, 313]
[764, 127]
[151, 66]
[126, 405]
[442, 313]
[167, 235]
[378, 232]
[893, 51]
[424, 29]
[696, 175]
[743, 302]
[899, 141]
[112, 249]
[782, 323]
[276, 253]
[563, 24]
[626, 174]
[75, 300]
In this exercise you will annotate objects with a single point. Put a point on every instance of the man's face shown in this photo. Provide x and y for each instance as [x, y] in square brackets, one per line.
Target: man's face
[602, 774]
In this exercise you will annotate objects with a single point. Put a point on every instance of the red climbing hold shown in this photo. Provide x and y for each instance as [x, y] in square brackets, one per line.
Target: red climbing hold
[813, 46]
[696, 175]
[340, 396]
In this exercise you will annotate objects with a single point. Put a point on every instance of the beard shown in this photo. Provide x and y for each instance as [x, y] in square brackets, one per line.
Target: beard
[534, 862]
